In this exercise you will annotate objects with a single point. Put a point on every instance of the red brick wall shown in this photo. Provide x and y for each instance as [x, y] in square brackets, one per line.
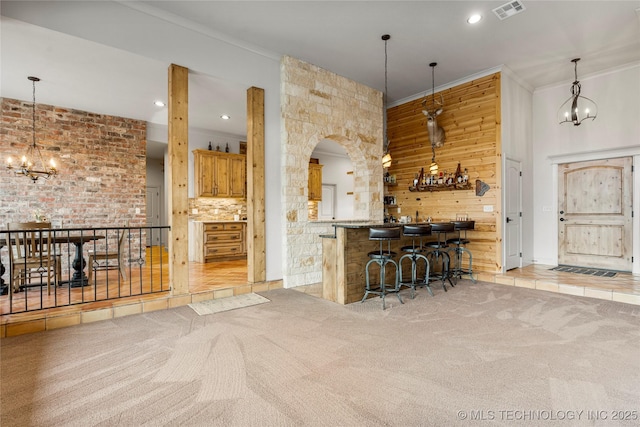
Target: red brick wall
[101, 163]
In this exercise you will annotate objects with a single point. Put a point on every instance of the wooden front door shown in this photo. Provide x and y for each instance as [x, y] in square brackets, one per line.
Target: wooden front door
[594, 209]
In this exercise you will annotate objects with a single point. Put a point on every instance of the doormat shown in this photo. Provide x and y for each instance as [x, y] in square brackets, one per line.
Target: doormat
[225, 304]
[582, 270]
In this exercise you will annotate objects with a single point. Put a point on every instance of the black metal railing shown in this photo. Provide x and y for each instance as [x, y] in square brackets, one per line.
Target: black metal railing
[73, 266]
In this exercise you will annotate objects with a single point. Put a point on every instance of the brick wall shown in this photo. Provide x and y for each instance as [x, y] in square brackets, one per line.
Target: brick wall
[317, 104]
[101, 161]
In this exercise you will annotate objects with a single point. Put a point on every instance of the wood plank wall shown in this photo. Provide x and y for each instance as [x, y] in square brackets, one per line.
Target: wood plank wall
[471, 120]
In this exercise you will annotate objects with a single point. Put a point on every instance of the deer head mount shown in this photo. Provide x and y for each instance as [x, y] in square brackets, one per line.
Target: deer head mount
[436, 133]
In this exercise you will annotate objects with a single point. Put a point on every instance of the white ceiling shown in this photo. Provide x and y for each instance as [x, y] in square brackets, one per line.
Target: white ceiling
[341, 36]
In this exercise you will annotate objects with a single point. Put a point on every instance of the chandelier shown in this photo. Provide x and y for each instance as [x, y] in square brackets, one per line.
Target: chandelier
[32, 164]
[386, 158]
[570, 111]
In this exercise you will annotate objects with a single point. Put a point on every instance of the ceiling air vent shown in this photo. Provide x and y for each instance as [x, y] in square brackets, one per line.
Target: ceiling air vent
[507, 10]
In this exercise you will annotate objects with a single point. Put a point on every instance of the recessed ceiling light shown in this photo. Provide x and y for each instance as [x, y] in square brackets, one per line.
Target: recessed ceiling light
[159, 104]
[474, 19]
[225, 117]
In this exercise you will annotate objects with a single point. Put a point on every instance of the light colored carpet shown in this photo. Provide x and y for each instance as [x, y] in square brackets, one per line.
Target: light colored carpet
[502, 354]
[226, 304]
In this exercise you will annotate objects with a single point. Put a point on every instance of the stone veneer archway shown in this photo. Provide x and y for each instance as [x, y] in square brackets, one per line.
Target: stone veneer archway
[315, 105]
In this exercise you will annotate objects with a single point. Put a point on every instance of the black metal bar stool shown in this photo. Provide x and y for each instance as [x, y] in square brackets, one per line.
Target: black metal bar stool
[383, 257]
[415, 254]
[440, 251]
[459, 250]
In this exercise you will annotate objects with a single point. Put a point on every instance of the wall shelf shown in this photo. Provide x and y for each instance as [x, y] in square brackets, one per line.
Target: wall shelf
[442, 187]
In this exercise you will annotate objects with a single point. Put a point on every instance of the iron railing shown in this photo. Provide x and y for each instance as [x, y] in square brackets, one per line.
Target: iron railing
[23, 283]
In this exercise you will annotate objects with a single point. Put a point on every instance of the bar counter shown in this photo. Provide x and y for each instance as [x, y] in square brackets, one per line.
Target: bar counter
[344, 256]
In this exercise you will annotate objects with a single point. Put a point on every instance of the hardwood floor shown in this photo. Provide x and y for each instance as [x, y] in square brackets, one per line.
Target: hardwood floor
[147, 281]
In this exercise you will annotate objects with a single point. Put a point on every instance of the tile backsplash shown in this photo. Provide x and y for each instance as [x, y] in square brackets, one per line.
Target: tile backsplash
[216, 209]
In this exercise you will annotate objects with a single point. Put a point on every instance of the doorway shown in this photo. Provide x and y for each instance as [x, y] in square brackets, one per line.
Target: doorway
[513, 214]
[327, 208]
[595, 213]
[153, 216]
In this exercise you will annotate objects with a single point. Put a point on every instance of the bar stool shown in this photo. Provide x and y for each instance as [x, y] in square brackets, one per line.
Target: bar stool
[383, 257]
[415, 254]
[459, 250]
[440, 251]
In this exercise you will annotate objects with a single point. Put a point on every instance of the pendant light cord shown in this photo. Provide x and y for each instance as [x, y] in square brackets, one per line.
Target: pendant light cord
[33, 110]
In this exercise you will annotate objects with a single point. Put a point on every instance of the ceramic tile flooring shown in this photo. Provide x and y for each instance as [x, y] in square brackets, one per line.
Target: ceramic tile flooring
[219, 280]
[624, 287]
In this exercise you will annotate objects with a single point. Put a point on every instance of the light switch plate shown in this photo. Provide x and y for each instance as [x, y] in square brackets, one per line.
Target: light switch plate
[487, 208]
[137, 211]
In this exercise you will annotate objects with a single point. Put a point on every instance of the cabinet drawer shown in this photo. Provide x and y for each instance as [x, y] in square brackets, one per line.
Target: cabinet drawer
[233, 226]
[223, 236]
[223, 250]
[218, 226]
[213, 227]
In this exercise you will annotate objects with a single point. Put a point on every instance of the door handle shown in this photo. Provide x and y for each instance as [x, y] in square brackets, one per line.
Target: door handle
[561, 219]
[561, 212]
[508, 220]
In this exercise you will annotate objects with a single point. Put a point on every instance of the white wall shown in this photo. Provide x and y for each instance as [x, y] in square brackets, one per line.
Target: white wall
[615, 132]
[163, 38]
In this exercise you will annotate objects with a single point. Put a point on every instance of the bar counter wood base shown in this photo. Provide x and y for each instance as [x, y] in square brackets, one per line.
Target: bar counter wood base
[344, 256]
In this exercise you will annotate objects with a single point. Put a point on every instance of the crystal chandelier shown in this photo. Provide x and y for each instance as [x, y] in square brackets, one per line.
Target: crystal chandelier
[32, 164]
[570, 111]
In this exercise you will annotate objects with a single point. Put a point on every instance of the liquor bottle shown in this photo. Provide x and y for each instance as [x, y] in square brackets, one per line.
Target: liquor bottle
[210, 148]
[458, 173]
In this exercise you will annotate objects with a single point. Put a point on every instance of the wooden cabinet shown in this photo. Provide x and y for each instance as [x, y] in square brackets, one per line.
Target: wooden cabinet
[216, 241]
[315, 182]
[219, 174]
[238, 176]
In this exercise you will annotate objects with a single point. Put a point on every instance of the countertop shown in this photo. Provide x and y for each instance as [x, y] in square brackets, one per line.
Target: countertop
[217, 221]
[383, 224]
[369, 224]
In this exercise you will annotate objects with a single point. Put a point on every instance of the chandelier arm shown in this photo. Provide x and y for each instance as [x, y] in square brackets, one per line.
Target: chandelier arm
[574, 109]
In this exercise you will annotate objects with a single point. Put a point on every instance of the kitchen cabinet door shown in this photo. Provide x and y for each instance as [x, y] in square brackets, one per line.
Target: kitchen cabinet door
[219, 174]
[238, 177]
[315, 182]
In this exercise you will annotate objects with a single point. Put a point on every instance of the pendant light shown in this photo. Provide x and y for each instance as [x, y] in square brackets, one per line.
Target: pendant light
[32, 164]
[386, 158]
[577, 108]
[433, 167]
